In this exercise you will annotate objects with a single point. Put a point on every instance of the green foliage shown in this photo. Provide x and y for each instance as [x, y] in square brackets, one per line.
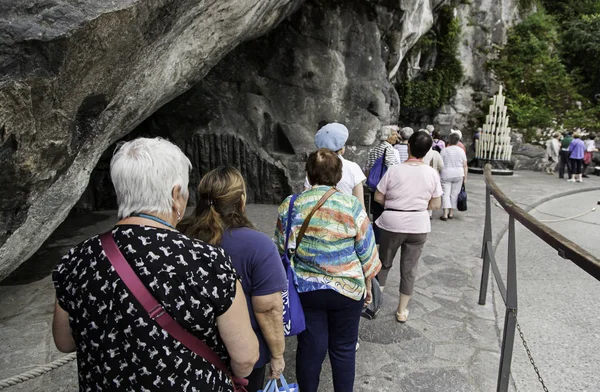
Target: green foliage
[435, 87]
[526, 5]
[541, 92]
[581, 50]
[587, 118]
[566, 10]
[579, 24]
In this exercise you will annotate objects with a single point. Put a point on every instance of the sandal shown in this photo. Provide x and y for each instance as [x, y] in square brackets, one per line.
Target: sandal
[402, 317]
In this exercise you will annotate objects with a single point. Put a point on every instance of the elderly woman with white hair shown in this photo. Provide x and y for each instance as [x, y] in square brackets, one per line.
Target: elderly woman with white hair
[105, 285]
[388, 135]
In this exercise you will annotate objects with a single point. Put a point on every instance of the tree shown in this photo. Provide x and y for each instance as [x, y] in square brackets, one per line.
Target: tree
[539, 88]
[581, 51]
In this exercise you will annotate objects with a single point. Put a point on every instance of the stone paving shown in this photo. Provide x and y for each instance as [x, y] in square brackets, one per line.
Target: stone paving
[450, 343]
[558, 301]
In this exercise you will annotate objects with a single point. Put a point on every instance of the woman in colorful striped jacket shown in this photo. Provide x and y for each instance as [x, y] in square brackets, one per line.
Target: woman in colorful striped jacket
[333, 265]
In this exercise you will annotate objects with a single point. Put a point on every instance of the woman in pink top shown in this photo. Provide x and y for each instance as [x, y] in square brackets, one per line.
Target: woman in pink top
[407, 191]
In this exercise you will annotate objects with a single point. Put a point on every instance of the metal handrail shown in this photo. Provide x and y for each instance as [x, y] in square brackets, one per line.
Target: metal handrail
[566, 249]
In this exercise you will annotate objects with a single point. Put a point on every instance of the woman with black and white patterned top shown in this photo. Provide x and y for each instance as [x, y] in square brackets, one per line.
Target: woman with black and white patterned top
[119, 347]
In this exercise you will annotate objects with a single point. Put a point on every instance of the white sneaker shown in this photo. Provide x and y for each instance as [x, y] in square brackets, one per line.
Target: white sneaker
[571, 180]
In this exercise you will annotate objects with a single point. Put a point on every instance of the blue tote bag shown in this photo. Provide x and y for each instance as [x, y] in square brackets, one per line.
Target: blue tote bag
[293, 315]
[285, 387]
[377, 171]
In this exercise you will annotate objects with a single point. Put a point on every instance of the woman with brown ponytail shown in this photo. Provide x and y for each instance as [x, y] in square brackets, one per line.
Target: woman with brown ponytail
[220, 219]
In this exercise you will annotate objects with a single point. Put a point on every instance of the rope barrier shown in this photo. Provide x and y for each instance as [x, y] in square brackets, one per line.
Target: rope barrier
[38, 371]
[561, 219]
[567, 218]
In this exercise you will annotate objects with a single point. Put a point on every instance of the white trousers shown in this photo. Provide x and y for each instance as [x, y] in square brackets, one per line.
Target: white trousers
[451, 188]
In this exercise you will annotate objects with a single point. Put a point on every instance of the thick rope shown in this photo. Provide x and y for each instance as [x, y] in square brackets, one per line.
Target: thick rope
[38, 371]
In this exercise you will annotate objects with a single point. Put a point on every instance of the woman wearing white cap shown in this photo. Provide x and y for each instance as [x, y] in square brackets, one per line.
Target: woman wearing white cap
[333, 136]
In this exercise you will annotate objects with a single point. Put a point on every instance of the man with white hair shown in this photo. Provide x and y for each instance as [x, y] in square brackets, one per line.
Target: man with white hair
[333, 136]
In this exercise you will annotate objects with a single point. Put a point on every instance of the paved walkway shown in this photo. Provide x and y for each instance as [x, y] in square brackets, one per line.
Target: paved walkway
[449, 343]
[558, 302]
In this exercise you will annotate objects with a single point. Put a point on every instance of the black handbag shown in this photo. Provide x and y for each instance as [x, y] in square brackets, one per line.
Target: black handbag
[370, 311]
[462, 199]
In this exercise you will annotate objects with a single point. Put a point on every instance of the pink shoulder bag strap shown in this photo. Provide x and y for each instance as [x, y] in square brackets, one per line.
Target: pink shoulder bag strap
[158, 313]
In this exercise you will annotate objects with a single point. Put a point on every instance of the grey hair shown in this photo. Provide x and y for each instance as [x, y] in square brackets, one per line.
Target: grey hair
[386, 131]
[453, 139]
[144, 172]
[430, 128]
[406, 133]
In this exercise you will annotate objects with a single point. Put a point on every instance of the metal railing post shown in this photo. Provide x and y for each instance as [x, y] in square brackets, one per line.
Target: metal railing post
[487, 228]
[487, 238]
[510, 317]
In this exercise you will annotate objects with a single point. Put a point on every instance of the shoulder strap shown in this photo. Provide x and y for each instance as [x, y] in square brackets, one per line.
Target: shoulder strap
[315, 208]
[154, 309]
[288, 226]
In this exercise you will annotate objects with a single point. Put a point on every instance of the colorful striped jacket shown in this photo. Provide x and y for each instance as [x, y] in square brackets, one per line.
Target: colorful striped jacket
[338, 249]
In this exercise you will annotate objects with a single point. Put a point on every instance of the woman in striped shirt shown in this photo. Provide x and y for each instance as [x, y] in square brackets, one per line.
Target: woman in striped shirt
[333, 265]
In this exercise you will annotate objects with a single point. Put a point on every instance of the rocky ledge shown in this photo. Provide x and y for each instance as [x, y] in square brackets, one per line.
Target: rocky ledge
[74, 78]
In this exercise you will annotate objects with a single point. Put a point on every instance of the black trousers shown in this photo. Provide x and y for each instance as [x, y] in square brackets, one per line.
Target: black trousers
[576, 166]
[376, 211]
[564, 162]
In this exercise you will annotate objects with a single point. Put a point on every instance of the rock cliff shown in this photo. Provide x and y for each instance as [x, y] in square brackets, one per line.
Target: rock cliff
[484, 28]
[75, 79]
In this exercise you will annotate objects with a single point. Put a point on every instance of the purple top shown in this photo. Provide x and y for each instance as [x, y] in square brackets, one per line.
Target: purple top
[577, 149]
[258, 263]
[440, 144]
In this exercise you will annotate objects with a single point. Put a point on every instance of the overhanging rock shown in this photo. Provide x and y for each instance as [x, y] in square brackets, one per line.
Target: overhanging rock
[74, 79]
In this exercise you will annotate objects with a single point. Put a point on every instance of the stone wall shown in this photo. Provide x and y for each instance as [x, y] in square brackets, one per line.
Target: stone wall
[76, 79]
[267, 180]
[485, 24]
